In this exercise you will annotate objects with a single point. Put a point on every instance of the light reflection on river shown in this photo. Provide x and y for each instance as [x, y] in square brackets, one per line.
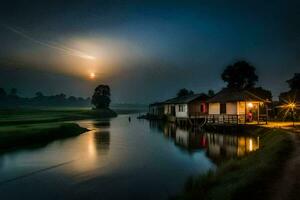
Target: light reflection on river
[118, 159]
[218, 147]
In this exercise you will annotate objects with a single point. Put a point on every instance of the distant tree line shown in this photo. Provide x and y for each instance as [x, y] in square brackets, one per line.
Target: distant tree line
[12, 98]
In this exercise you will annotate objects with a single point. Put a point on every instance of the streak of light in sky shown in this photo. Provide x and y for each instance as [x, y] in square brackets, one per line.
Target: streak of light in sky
[61, 48]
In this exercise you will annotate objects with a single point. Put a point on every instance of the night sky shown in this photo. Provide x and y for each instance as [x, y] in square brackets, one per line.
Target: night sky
[145, 50]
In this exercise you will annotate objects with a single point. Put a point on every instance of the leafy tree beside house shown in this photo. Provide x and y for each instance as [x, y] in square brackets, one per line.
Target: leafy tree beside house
[261, 92]
[294, 82]
[294, 93]
[210, 93]
[292, 96]
[184, 92]
[242, 75]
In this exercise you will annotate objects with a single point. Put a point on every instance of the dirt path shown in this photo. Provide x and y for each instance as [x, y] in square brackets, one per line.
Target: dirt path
[287, 187]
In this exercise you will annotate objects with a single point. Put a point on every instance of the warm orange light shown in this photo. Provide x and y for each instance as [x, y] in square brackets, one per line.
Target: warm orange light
[92, 75]
[250, 105]
[292, 105]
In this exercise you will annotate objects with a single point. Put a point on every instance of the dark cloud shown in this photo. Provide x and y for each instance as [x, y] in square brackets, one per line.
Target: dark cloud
[185, 44]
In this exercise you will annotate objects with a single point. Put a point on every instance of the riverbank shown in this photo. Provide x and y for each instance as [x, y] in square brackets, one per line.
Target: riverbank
[12, 137]
[288, 183]
[33, 116]
[244, 178]
[31, 126]
[24, 127]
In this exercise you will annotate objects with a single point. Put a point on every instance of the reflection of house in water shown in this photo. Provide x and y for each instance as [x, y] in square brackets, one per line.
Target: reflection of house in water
[168, 129]
[226, 146]
[189, 139]
[182, 137]
[218, 146]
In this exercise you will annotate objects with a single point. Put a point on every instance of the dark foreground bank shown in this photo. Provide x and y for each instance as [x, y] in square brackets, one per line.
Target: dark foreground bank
[12, 137]
[244, 178]
[24, 127]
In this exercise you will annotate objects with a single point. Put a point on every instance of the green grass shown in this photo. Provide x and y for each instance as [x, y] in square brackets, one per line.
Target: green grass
[12, 137]
[247, 177]
[46, 115]
[30, 116]
[25, 126]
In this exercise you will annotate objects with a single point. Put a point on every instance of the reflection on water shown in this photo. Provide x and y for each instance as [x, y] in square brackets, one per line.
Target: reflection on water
[117, 159]
[221, 147]
[102, 136]
[99, 137]
[217, 146]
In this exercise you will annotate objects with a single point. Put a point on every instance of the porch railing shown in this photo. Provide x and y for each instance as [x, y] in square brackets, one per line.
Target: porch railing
[197, 114]
[222, 119]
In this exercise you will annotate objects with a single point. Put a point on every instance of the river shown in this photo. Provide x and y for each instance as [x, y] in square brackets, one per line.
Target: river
[117, 159]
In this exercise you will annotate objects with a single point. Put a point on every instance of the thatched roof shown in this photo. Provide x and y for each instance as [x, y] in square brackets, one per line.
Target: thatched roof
[233, 95]
[186, 99]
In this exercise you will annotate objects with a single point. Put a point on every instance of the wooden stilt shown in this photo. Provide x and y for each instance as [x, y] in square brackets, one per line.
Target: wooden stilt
[245, 112]
[267, 113]
[258, 114]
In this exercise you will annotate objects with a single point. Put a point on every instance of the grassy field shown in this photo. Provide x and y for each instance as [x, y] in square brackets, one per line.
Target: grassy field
[12, 137]
[247, 177]
[46, 115]
[31, 116]
[21, 127]
[30, 126]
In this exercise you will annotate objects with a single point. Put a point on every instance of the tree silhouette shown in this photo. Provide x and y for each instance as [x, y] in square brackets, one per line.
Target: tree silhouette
[39, 95]
[240, 75]
[2, 93]
[293, 95]
[211, 93]
[72, 99]
[101, 97]
[184, 92]
[294, 83]
[12, 99]
[261, 92]
[13, 92]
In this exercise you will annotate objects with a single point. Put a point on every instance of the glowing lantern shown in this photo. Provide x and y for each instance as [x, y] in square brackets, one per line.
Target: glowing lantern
[250, 105]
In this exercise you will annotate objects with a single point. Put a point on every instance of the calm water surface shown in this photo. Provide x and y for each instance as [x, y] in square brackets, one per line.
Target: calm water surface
[118, 159]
